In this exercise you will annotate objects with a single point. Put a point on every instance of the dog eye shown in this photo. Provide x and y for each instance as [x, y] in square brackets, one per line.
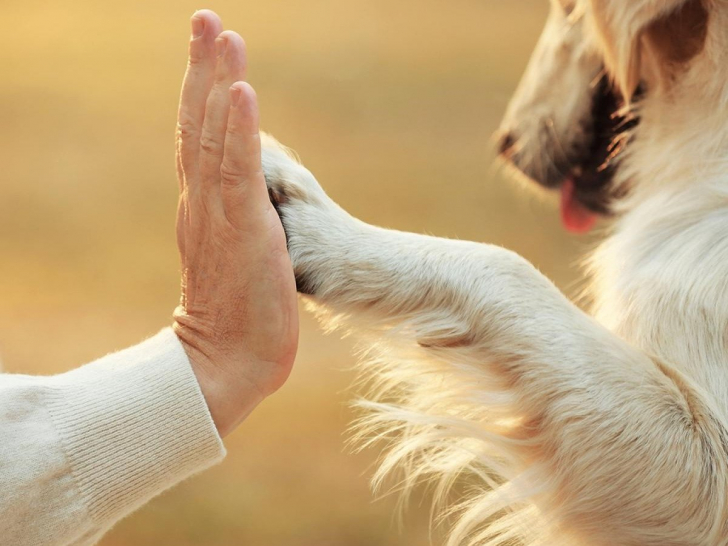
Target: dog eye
[568, 6]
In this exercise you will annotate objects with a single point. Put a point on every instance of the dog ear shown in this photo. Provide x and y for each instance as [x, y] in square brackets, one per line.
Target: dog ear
[671, 32]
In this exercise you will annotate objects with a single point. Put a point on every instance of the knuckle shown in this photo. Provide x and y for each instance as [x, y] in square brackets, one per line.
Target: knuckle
[211, 144]
[230, 173]
[196, 55]
[186, 127]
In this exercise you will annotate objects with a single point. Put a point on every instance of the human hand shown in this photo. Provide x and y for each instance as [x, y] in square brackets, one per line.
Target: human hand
[238, 316]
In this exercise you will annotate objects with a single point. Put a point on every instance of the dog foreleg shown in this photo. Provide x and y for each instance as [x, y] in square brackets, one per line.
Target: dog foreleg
[494, 370]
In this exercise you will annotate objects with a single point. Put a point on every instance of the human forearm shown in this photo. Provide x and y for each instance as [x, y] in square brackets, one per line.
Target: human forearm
[84, 449]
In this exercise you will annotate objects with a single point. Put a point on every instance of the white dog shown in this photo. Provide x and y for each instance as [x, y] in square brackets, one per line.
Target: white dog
[608, 429]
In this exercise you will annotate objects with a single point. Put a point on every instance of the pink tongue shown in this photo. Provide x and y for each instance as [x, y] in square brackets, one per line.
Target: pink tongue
[576, 218]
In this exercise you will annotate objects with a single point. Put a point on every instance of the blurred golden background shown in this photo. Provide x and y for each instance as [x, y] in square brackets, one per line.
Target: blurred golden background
[390, 103]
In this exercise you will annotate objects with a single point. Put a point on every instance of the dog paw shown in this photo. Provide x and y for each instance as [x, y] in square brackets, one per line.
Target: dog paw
[311, 220]
[286, 178]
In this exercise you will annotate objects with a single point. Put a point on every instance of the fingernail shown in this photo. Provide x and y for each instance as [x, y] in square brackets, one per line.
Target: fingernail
[198, 27]
[220, 45]
[235, 95]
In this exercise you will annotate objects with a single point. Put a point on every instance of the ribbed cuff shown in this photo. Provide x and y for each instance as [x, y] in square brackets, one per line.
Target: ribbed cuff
[133, 424]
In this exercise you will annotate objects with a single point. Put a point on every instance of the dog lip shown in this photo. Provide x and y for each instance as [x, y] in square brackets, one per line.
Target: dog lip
[592, 172]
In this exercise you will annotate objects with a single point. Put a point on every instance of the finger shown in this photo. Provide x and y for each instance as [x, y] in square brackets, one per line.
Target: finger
[243, 188]
[231, 65]
[198, 80]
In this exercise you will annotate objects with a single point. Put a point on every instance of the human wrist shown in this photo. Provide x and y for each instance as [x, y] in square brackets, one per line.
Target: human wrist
[230, 396]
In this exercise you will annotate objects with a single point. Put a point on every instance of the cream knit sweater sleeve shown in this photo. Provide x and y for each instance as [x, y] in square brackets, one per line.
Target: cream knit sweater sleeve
[81, 450]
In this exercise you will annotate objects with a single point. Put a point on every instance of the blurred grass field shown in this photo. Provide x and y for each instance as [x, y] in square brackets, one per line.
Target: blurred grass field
[390, 103]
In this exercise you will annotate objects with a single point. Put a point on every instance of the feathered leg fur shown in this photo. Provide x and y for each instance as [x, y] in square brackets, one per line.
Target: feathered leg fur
[481, 366]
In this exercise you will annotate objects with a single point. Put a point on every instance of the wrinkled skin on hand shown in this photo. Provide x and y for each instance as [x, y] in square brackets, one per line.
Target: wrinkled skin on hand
[238, 316]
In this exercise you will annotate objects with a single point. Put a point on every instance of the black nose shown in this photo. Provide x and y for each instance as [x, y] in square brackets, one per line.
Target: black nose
[505, 144]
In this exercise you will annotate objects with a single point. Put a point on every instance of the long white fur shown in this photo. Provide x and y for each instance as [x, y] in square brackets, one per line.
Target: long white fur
[568, 429]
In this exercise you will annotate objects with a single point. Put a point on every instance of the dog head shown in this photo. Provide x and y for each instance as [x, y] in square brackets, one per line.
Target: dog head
[574, 110]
